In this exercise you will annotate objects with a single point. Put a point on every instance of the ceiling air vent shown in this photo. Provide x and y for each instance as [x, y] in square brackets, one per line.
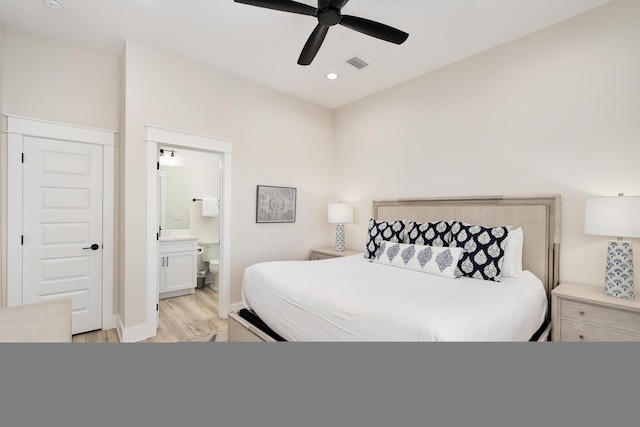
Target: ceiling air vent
[357, 62]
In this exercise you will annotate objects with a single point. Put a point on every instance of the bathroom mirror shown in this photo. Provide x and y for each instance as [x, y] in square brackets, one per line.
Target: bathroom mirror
[175, 203]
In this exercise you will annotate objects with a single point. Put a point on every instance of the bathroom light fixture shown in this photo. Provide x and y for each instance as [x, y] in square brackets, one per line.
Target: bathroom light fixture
[173, 153]
[53, 4]
[332, 76]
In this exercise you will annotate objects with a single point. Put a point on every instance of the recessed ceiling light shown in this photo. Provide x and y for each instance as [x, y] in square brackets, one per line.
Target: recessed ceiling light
[53, 4]
[332, 76]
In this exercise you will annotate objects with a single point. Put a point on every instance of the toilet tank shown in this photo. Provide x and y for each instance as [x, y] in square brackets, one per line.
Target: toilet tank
[210, 249]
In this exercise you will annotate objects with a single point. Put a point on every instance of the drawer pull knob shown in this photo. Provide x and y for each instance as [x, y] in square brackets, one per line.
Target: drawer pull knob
[581, 337]
[582, 313]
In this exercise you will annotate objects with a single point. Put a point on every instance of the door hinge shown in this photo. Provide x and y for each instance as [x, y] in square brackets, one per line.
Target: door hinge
[157, 236]
[22, 239]
[158, 165]
[157, 307]
[22, 157]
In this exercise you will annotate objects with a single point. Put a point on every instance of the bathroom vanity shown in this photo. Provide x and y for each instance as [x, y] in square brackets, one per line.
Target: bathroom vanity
[178, 266]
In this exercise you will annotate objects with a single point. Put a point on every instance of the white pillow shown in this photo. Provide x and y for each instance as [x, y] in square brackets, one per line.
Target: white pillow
[438, 260]
[512, 261]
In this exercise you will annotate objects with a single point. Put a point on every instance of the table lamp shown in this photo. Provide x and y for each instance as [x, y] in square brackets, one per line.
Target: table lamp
[615, 216]
[340, 214]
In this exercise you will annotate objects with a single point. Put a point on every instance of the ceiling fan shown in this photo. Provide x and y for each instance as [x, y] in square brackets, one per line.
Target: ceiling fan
[329, 14]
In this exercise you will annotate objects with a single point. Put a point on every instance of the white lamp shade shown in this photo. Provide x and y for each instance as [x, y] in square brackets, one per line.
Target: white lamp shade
[617, 216]
[340, 213]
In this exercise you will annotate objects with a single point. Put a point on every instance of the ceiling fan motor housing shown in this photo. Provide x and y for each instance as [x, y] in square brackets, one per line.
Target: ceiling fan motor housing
[329, 17]
[329, 13]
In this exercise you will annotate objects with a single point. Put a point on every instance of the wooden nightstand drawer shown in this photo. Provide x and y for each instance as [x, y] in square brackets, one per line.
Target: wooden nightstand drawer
[316, 256]
[326, 253]
[585, 313]
[575, 331]
[602, 316]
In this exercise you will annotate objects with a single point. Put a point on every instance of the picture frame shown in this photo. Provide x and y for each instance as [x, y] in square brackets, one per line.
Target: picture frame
[275, 204]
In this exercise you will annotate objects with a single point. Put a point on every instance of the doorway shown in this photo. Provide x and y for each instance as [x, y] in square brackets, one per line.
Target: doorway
[60, 218]
[179, 140]
[188, 205]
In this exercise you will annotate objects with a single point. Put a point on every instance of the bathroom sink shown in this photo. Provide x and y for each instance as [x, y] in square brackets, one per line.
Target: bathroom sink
[176, 238]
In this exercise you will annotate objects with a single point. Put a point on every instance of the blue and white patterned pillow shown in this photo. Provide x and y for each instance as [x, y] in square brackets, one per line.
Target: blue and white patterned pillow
[438, 260]
[483, 250]
[437, 233]
[382, 230]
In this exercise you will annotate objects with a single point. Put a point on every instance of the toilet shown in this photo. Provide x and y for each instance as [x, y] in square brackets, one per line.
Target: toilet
[211, 255]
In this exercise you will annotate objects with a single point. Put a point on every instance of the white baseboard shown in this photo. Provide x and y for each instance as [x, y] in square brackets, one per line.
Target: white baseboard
[136, 333]
[236, 307]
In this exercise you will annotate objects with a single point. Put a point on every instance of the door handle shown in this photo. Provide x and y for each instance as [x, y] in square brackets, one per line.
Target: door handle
[93, 247]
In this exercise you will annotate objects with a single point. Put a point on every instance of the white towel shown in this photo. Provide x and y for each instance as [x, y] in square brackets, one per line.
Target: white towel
[210, 207]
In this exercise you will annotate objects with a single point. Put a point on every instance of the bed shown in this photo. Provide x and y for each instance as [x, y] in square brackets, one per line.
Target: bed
[383, 294]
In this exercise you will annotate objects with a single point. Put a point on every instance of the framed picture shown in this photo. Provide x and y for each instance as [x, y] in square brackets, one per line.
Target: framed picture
[275, 204]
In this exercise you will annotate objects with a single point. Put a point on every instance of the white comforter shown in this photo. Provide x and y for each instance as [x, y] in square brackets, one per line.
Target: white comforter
[353, 299]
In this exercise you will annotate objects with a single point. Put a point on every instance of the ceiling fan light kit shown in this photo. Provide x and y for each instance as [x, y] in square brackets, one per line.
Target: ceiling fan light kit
[329, 13]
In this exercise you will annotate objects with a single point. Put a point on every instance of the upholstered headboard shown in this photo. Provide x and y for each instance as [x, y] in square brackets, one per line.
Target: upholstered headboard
[538, 215]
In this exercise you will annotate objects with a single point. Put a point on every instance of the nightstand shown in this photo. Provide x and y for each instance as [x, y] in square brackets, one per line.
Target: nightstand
[585, 313]
[324, 253]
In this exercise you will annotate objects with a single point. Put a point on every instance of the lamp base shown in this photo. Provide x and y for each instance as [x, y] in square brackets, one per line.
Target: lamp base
[619, 274]
[340, 237]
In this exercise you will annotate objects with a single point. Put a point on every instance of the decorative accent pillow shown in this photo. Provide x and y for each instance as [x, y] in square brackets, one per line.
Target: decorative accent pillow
[382, 230]
[483, 250]
[512, 263]
[438, 260]
[436, 233]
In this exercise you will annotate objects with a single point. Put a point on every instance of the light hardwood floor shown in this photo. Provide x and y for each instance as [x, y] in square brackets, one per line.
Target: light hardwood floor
[186, 318]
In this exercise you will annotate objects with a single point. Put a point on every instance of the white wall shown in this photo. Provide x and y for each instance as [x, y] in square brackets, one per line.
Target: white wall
[555, 112]
[3, 192]
[277, 140]
[204, 181]
[54, 81]
[120, 185]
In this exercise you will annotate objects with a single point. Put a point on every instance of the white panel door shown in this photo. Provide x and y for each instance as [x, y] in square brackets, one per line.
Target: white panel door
[62, 227]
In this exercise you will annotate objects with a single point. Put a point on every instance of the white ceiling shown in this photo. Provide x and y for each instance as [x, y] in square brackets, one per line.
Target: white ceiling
[263, 45]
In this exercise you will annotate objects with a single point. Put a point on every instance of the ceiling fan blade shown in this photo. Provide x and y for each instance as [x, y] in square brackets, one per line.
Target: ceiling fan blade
[312, 45]
[338, 4]
[374, 29]
[283, 5]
